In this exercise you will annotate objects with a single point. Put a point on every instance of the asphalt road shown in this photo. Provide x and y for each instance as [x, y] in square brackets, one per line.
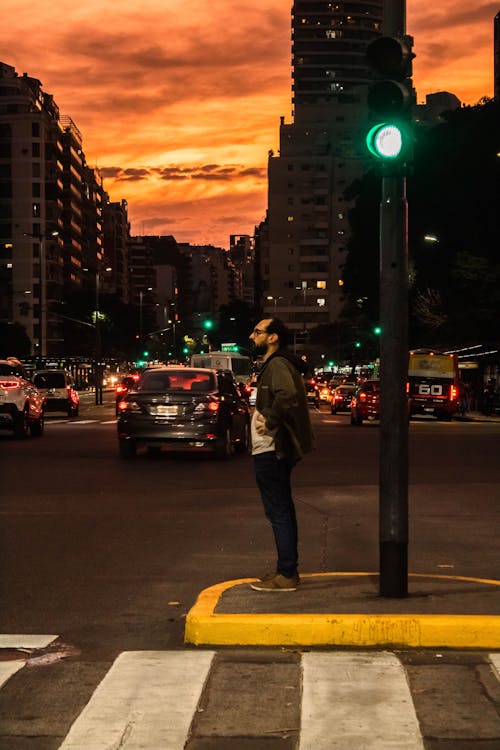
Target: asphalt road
[110, 555]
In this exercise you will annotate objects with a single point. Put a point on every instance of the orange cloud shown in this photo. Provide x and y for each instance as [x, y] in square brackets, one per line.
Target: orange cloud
[179, 103]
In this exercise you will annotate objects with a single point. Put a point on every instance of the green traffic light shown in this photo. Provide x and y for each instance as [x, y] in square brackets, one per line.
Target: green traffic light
[377, 330]
[358, 344]
[385, 141]
[208, 324]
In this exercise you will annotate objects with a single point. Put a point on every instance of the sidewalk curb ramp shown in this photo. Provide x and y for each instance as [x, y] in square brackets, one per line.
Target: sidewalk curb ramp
[223, 616]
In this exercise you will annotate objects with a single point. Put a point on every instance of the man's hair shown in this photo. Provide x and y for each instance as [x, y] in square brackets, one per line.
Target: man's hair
[279, 328]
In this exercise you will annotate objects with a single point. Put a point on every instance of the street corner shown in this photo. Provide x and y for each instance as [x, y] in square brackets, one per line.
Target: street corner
[344, 609]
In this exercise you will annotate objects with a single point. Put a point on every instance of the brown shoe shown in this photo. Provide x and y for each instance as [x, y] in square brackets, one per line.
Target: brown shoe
[277, 583]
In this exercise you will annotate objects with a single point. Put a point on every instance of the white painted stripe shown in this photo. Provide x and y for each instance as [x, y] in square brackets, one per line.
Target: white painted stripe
[109, 421]
[357, 701]
[147, 700]
[25, 640]
[8, 668]
[495, 660]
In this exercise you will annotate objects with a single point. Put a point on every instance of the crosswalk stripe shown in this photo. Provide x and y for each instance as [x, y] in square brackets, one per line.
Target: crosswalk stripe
[8, 668]
[357, 701]
[495, 660]
[25, 640]
[146, 700]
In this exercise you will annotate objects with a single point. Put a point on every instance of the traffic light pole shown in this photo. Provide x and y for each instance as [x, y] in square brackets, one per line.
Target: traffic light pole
[393, 462]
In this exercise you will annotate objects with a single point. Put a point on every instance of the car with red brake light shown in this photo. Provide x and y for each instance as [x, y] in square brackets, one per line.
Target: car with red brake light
[22, 406]
[365, 402]
[184, 408]
[58, 389]
[342, 397]
[127, 384]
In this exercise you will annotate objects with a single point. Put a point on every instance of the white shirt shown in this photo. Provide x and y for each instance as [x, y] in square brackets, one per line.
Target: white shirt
[261, 443]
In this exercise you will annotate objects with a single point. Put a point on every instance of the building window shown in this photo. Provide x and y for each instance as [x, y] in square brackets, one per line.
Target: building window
[35, 129]
[321, 285]
[321, 301]
[289, 218]
[35, 150]
[36, 210]
[35, 190]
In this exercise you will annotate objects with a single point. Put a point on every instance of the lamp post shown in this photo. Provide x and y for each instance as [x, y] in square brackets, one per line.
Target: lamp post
[42, 281]
[275, 299]
[98, 339]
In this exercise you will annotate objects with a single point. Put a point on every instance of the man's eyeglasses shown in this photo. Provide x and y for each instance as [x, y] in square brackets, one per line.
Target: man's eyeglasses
[259, 330]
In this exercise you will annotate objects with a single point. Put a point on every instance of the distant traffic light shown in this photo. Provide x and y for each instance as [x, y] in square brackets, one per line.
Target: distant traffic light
[208, 324]
[390, 99]
[357, 344]
[377, 330]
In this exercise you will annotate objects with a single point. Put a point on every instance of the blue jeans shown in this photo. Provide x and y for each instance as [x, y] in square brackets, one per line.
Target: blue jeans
[273, 479]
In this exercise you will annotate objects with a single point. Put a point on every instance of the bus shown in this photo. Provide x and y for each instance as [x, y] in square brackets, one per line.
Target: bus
[433, 383]
[238, 363]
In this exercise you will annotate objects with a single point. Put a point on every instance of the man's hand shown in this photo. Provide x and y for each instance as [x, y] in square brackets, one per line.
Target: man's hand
[260, 425]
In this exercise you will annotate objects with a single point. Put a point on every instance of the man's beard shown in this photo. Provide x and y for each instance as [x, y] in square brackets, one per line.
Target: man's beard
[259, 349]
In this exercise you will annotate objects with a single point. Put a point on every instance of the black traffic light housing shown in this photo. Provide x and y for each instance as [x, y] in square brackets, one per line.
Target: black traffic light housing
[390, 99]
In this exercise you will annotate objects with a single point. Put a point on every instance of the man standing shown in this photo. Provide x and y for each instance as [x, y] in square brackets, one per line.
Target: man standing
[281, 436]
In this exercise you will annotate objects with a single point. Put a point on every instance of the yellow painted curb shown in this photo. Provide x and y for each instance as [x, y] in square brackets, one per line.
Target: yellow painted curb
[205, 627]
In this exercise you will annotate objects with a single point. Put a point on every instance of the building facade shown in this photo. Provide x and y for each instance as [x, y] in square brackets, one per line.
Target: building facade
[302, 249]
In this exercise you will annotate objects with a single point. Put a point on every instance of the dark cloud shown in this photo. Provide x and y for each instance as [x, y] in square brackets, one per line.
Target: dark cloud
[205, 172]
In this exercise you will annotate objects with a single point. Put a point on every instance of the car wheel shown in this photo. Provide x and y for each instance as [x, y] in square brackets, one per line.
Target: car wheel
[224, 448]
[128, 448]
[244, 445]
[21, 425]
[356, 420]
[37, 427]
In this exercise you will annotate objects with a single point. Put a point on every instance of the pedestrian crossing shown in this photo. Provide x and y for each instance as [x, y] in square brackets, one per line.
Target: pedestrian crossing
[179, 700]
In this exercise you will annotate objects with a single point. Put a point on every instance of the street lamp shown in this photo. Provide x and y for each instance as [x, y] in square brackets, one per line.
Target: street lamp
[42, 279]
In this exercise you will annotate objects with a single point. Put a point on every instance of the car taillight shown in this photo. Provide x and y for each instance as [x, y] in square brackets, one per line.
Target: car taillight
[453, 392]
[338, 397]
[9, 384]
[205, 406]
[128, 406]
[121, 389]
[362, 396]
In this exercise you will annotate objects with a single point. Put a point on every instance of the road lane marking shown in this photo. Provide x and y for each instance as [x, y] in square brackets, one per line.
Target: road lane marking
[357, 701]
[146, 700]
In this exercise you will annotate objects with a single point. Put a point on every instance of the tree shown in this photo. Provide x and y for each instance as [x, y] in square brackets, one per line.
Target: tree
[453, 198]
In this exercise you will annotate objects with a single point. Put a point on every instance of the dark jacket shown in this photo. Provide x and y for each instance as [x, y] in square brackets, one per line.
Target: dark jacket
[281, 398]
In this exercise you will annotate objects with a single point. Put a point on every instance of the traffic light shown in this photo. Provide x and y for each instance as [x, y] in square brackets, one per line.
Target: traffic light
[208, 324]
[390, 99]
[377, 330]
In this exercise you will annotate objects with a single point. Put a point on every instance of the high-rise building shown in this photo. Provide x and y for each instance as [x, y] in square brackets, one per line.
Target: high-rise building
[49, 231]
[302, 250]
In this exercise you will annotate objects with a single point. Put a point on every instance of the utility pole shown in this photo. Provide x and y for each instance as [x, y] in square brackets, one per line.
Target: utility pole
[389, 140]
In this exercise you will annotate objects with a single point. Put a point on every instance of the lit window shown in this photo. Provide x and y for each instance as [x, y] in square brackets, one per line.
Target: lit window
[340, 282]
[321, 301]
[289, 218]
[321, 285]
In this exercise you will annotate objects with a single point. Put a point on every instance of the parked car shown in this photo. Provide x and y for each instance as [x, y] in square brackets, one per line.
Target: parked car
[21, 404]
[365, 402]
[58, 389]
[342, 397]
[127, 384]
[184, 408]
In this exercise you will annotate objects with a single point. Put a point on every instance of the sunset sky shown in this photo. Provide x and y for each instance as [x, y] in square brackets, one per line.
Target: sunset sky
[179, 101]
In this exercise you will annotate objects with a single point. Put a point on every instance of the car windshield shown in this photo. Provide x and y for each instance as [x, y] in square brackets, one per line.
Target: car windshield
[50, 380]
[9, 370]
[178, 380]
